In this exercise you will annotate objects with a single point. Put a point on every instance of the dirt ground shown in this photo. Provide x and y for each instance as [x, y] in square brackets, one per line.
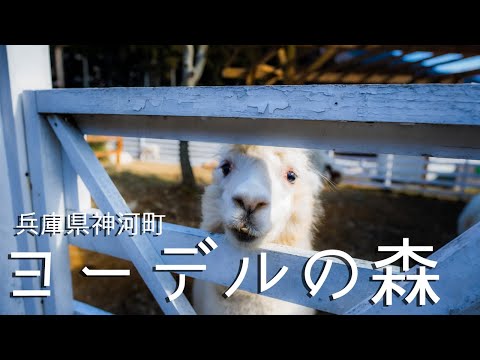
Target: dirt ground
[356, 221]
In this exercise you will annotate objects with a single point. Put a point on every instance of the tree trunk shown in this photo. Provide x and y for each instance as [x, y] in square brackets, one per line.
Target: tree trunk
[190, 75]
[188, 179]
[59, 66]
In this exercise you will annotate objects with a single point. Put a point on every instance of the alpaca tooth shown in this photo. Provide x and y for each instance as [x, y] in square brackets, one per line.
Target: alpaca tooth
[244, 229]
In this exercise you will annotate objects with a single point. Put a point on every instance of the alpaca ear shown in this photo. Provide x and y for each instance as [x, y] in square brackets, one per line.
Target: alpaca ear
[335, 176]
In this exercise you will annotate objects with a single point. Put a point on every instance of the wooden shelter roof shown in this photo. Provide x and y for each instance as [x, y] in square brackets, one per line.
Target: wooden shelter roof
[352, 64]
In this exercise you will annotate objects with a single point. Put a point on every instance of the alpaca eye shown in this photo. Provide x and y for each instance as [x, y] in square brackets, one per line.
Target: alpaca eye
[226, 168]
[291, 177]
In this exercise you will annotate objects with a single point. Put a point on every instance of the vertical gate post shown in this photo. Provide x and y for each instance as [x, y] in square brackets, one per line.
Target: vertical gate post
[21, 67]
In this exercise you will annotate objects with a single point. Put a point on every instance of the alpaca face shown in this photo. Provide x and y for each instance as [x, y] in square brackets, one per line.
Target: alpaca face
[259, 193]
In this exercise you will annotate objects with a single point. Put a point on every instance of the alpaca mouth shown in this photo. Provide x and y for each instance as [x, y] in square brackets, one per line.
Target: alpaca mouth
[243, 234]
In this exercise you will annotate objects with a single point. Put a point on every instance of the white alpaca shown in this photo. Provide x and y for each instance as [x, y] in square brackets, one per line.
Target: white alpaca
[149, 152]
[470, 215]
[125, 158]
[259, 195]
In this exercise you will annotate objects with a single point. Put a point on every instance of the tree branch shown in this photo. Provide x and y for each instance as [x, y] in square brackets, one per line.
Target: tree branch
[200, 61]
[187, 73]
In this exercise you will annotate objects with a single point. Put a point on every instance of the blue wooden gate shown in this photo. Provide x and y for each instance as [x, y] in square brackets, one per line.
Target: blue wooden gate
[433, 120]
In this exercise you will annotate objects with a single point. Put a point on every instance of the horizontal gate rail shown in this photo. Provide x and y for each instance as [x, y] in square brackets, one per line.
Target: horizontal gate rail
[359, 118]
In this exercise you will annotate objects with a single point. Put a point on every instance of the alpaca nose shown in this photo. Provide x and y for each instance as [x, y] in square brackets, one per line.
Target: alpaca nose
[250, 203]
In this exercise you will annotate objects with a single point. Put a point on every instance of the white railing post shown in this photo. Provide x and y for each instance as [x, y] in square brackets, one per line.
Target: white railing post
[21, 67]
[388, 170]
[462, 179]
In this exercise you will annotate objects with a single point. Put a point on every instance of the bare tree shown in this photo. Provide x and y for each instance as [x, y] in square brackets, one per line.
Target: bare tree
[59, 66]
[192, 72]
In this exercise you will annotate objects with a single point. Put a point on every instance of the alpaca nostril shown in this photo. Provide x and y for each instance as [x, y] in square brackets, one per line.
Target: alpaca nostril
[249, 205]
[253, 206]
[260, 205]
[239, 202]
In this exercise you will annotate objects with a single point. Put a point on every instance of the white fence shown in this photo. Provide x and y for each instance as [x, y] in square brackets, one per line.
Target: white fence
[458, 178]
[167, 151]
